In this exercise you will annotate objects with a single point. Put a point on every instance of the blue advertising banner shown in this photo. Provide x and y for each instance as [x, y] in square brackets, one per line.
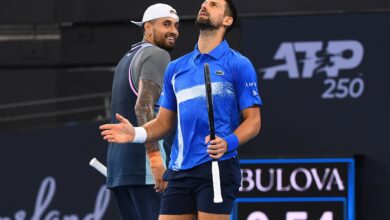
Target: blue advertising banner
[292, 189]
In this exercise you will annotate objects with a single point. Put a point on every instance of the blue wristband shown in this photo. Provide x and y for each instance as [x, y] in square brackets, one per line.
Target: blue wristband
[232, 142]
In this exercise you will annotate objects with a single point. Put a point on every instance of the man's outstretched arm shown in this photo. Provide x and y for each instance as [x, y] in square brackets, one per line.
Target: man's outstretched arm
[124, 132]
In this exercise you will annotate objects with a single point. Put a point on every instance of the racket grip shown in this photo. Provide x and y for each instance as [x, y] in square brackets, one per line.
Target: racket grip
[98, 166]
[216, 182]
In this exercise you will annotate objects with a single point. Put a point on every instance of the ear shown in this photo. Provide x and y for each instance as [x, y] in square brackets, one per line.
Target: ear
[148, 28]
[227, 21]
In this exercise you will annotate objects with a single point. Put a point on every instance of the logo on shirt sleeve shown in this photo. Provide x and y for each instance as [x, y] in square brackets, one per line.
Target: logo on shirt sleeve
[220, 73]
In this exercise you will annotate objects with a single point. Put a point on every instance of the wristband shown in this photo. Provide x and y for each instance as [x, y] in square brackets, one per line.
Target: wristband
[140, 135]
[232, 142]
[155, 159]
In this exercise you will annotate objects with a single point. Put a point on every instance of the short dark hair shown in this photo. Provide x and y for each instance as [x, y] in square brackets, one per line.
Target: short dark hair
[231, 10]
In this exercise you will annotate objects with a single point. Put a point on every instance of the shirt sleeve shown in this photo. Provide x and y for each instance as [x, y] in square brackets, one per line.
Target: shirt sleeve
[153, 67]
[246, 85]
[168, 97]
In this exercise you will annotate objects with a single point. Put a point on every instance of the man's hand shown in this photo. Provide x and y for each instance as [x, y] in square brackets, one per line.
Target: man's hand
[159, 183]
[157, 167]
[217, 147]
[123, 132]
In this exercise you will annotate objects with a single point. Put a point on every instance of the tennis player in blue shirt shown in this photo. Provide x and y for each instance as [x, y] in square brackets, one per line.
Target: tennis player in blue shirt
[183, 104]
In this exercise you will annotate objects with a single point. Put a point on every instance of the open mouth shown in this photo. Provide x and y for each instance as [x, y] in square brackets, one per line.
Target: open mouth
[203, 13]
[171, 39]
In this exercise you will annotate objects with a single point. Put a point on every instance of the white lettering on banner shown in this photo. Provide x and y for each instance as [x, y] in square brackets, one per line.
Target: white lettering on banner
[337, 56]
[279, 182]
[296, 216]
[285, 52]
[327, 181]
[302, 215]
[310, 49]
[45, 196]
[271, 180]
[248, 179]
[327, 58]
[257, 216]
[308, 178]
[335, 179]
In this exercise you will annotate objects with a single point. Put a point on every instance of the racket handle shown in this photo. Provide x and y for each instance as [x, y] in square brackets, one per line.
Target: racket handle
[216, 182]
[98, 166]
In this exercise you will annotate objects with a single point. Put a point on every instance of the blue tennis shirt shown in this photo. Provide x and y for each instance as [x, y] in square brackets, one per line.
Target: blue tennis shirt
[234, 88]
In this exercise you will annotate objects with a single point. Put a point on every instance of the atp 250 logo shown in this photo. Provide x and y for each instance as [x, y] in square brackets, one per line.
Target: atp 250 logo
[305, 60]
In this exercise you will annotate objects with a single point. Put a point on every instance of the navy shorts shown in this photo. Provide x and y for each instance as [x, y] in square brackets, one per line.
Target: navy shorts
[190, 191]
[137, 202]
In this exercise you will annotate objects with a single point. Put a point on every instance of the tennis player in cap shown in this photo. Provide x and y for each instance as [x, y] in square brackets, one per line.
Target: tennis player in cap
[135, 170]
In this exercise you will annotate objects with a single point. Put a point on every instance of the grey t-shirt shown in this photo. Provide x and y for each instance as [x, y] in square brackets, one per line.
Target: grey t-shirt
[150, 64]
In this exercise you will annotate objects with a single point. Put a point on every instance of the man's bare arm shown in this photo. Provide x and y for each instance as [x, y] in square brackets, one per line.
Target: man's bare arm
[161, 126]
[148, 94]
[250, 126]
[158, 128]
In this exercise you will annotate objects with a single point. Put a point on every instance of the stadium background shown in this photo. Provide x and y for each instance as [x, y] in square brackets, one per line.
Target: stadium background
[56, 65]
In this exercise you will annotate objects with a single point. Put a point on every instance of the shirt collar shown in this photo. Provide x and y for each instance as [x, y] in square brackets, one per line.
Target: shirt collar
[216, 53]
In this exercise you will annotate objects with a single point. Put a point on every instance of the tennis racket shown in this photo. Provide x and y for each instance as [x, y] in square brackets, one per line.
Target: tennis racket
[210, 110]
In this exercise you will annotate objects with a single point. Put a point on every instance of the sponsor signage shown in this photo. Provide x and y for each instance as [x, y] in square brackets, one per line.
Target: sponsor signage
[327, 57]
[296, 189]
[308, 59]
